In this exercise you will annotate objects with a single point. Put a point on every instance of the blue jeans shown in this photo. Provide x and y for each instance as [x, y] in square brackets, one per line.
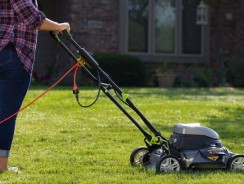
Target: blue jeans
[14, 83]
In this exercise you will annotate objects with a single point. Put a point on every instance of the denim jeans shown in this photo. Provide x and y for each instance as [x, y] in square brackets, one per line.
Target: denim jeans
[14, 83]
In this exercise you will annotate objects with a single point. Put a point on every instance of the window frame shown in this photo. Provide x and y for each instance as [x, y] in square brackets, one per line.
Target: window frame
[152, 55]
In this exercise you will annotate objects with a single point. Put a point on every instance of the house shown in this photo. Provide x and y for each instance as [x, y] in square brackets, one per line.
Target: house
[153, 30]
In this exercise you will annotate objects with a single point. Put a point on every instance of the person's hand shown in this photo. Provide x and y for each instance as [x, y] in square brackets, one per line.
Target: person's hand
[62, 27]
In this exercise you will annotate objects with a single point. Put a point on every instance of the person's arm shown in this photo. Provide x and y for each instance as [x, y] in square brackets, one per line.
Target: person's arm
[49, 25]
[27, 13]
[35, 19]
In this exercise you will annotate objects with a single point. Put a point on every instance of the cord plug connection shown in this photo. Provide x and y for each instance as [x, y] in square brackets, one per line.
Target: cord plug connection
[75, 90]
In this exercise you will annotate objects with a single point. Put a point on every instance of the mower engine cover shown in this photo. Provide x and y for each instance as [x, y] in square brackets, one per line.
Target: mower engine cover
[194, 137]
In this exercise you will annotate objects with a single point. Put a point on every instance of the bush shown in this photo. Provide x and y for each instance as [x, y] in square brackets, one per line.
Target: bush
[234, 72]
[124, 70]
[198, 76]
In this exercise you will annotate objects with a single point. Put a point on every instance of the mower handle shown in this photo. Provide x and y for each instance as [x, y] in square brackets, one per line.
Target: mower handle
[92, 62]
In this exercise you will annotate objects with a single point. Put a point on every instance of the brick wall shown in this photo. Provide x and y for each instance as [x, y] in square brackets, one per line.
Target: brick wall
[95, 24]
[231, 30]
[239, 37]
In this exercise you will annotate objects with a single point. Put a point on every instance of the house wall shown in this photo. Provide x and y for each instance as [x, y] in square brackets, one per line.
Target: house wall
[95, 26]
[49, 58]
[228, 38]
[239, 38]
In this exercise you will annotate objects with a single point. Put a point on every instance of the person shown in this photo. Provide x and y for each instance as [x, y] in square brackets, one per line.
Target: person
[20, 21]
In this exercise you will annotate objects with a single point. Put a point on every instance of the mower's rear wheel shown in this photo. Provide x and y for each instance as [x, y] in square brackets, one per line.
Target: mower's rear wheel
[139, 156]
[236, 163]
[168, 163]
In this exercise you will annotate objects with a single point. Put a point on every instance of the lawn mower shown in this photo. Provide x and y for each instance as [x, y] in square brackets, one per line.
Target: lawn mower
[190, 145]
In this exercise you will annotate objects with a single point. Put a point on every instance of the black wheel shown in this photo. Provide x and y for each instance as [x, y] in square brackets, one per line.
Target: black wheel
[236, 163]
[168, 163]
[139, 156]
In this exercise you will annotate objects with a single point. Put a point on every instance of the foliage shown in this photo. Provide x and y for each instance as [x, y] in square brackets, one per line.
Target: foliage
[234, 72]
[165, 67]
[153, 69]
[187, 75]
[214, 3]
[199, 76]
[47, 77]
[57, 142]
[123, 69]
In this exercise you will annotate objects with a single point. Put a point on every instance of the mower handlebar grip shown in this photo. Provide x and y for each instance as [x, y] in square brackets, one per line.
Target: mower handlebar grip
[67, 33]
[54, 36]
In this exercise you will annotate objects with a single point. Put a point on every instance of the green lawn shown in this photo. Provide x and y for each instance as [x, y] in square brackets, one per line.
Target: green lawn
[56, 141]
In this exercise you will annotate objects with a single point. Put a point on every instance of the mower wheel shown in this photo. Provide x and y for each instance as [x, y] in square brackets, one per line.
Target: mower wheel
[236, 163]
[139, 156]
[168, 163]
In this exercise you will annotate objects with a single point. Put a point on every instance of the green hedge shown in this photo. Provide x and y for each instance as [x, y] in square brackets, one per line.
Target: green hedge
[124, 70]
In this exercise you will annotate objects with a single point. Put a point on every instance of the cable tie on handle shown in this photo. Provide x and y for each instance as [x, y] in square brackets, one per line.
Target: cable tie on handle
[81, 62]
[125, 96]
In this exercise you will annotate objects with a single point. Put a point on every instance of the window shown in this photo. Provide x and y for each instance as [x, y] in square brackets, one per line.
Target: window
[165, 24]
[161, 30]
[138, 26]
[191, 32]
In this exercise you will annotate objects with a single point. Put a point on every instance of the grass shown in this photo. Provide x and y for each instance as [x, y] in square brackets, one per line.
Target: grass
[56, 141]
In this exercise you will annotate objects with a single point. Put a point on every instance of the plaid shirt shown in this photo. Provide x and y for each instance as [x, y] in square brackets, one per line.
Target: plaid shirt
[19, 21]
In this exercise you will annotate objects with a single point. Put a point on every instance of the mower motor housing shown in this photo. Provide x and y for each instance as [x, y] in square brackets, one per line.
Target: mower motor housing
[194, 137]
[198, 147]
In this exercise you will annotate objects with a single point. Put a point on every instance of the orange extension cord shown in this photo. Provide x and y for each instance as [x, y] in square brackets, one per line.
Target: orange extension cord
[76, 66]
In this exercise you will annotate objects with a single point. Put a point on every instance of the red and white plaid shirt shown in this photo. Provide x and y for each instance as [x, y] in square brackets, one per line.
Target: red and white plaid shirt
[19, 21]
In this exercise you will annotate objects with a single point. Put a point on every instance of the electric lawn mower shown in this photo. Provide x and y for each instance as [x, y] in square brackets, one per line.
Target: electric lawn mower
[190, 145]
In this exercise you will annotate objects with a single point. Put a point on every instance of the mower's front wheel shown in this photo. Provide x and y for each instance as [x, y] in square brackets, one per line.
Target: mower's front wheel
[168, 163]
[236, 163]
[139, 156]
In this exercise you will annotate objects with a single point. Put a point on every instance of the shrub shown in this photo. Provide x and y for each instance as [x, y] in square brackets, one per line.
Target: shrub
[234, 72]
[124, 70]
[198, 76]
